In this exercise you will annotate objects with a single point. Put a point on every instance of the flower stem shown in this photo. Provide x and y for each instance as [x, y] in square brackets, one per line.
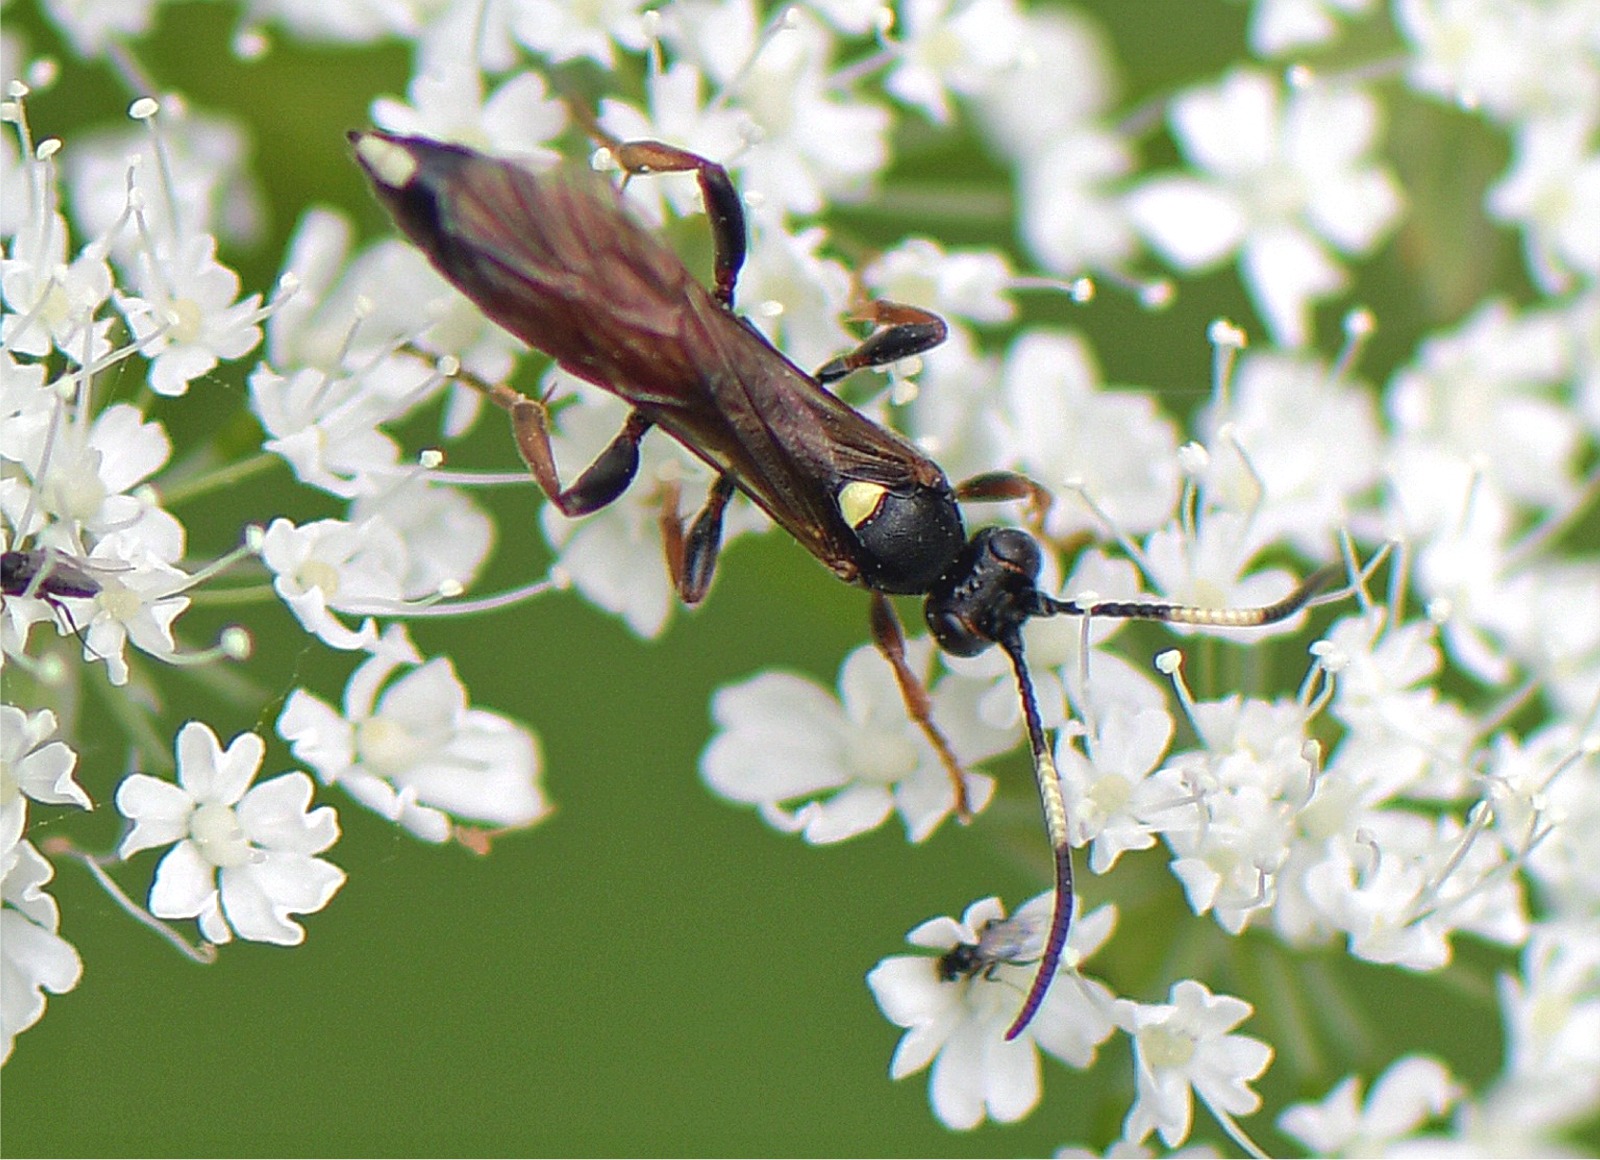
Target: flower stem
[226, 597]
[204, 953]
[225, 476]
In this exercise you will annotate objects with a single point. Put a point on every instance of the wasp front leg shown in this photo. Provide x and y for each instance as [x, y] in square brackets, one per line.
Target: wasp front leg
[996, 486]
[890, 638]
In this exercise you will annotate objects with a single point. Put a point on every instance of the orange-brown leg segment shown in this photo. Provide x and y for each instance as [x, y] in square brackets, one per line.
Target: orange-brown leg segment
[600, 483]
[891, 641]
[723, 208]
[692, 555]
[1003, 485]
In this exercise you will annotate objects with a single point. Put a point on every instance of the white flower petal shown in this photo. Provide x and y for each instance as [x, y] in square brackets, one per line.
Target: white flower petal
[185, 884]
[1193, 223]
[158, 809]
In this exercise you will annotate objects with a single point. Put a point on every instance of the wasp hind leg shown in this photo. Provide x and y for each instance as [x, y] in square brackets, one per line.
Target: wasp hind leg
[599, 484]
[890, 638]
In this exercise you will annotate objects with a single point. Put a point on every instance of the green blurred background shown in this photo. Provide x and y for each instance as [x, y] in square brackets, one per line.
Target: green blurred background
[651, 970]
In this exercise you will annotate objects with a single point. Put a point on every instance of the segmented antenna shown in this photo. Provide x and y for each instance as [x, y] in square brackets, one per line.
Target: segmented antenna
[1044, 766]
[1055, 824]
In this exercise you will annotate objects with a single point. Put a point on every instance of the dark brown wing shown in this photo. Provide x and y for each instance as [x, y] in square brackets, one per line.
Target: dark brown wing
[557, 260]
[789, 444]
[553, 258]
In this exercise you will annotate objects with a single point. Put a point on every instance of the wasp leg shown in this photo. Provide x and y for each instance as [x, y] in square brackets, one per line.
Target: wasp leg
[692, 557]
[907, 330]
[601, 482]
[723, 207]
[891, 641]
[1004, 485]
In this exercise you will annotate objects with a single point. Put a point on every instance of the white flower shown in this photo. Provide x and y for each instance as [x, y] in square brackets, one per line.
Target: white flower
[1550, 1009]
[138, 601]
[92, 24]
[1412, 1091]
[445, 535]
[242, 858]
[812, 145]
[1185, 1046]
[1553, 192]
[324, 427]
[971, 284]
[1301, 447]
[795, 296]
[447, 104]
[562, 30]
[1490, 393]
[1398, 723]
[957, 46]
[201, 176]
[87, 476]
[1061, 425]
[1277, 26]
[33, 766]
[331, 565]
[33, 957]
[678, 113]
[1102, 785]
[1279, 181]
[354, 21]
[50, 301]
[1409, 882]
[950, 418]
[185, 315]
[1072, 219]
[1062, 78]
[1228, 811]
[956, 1008]
[1514, 60]
[415, 752]
[849, 761]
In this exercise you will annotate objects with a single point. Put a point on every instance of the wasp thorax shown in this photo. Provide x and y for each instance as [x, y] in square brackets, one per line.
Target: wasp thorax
[910, 536]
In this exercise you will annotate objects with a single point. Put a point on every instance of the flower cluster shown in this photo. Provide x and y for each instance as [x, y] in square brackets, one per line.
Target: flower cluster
[1426, 778]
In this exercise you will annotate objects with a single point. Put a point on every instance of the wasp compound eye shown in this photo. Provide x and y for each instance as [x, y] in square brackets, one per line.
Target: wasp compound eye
[954, 633]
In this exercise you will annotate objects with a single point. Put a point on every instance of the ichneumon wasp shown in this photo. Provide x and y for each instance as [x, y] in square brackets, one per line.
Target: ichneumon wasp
[557, 259]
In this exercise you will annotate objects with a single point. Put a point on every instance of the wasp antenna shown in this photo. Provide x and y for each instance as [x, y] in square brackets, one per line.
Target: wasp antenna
[1055, 823]
[1300, 598]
